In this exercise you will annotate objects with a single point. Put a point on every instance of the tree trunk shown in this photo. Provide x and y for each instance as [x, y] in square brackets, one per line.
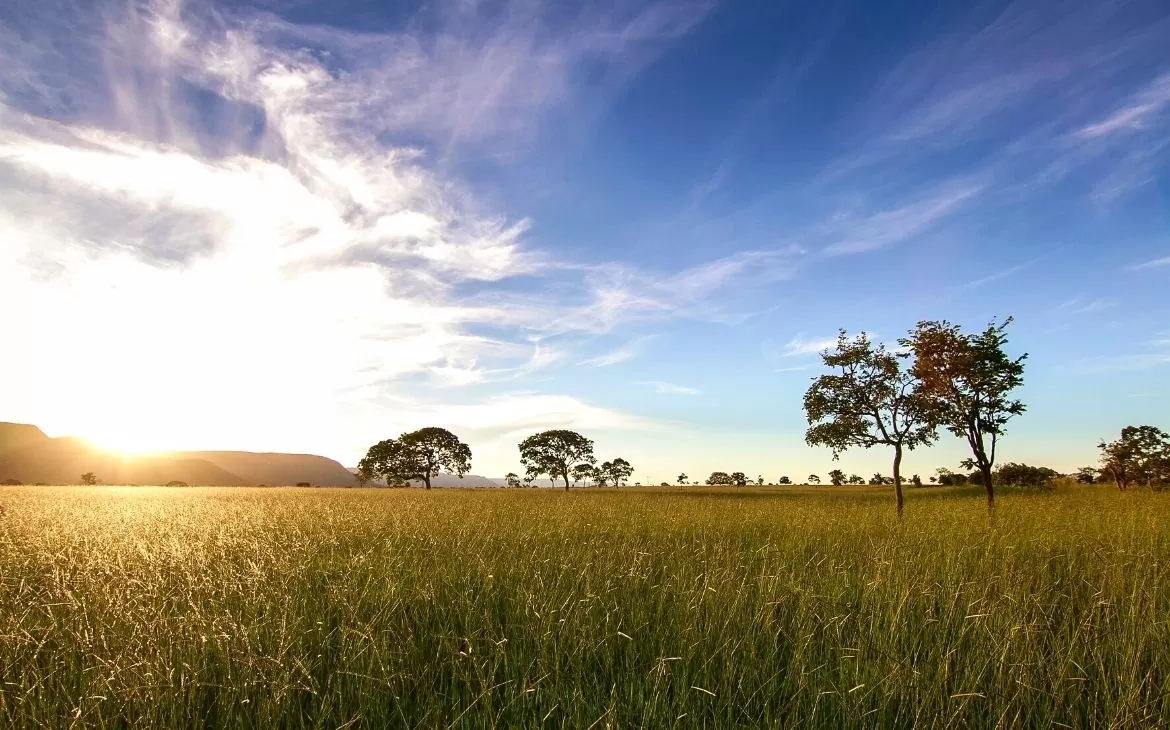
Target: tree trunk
[565, 474]
[427, 480]
[985, 474]
[898, 478]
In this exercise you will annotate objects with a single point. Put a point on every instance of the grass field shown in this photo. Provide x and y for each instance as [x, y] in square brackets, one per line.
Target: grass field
[257, 608]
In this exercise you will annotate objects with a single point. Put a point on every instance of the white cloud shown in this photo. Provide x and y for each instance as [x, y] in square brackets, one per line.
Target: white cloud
[1080, 306]
[1152, 264]
[800, 346]
[888, 227]
[665, 388]
[1136, 112]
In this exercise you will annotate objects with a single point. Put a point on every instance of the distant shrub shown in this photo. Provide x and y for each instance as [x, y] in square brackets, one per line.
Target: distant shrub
[177, 483]
[304, 484]
[12, 483]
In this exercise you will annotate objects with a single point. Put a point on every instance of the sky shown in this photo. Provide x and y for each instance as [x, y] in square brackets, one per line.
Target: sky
[302, 226]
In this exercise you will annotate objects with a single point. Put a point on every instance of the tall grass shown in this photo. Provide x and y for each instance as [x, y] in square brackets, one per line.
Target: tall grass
[668, 608]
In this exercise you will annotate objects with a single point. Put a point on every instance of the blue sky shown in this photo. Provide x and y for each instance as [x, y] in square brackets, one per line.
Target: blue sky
[301, 226]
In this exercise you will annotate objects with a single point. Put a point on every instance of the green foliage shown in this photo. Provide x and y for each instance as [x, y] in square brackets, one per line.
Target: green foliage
[871, 401]
[616, 472]
[555, 453]
[965, 381]
[739, 479]
[1022, 475]
[1142, 454]
[584, 473]
[364, 608]
[417, 456]
[720, 479]
[856, 479]
[836, 477]
[512, 479]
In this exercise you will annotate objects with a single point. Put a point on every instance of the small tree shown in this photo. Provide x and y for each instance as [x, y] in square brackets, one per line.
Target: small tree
[1022, 475]
[967, 380]
[877, 479]
[682, 478]
[417, 456]
[1142, 453]
[512, 479]
[89, 479]
[759, 480]
[784, 480]
[720, 479]
[583, 473]
[856, 479]
[916, 480]
[814, 479]
[739, 479]
[555, 453]
[1086, 475]
[836, 477]
[617, 471]
[870, 402]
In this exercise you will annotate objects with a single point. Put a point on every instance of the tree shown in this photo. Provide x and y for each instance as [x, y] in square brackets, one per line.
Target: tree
[877, 479]
[584, 473]
[759, 480]
[617, 471]
[814, 479]
[512, 479]
[720, 479]
[417, 456]
[916, 480]
[363, 477]
[682, 478]
[871, 402]
[1022, 475]
[967, 380]
[89, 479]
[837, 477]
[856, 479]
[555, 453]
[1086, 475]
[784, 480]
[739, 478]
[1142, 453]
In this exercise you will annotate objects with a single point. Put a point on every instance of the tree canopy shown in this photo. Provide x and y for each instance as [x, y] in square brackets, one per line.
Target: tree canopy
[868, 401]
[417, 456]
[966, 381]
[1141, 454]
[555, 453]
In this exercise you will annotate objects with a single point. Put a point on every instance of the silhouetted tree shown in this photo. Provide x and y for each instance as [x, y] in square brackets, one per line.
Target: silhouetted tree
[512, 479]
[836, 477]
[583, 473]
[967, 380]
[720, 479]
[856, 479]
[555, 453]
[617, 471]
[739, 479]
[417, 456]
[916, 480]
[814, 479]
[872, 401]
[1086, 475]
[784, 480]
[89, 479]
[1022, 475]
[682, 478]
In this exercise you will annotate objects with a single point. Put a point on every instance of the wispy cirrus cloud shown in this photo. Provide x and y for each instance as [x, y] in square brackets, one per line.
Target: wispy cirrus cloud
[665, 388]
[800, 346]
[1152, 264]
[887, 227]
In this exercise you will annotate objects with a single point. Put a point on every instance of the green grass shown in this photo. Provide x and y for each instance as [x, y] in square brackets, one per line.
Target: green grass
[258, 608]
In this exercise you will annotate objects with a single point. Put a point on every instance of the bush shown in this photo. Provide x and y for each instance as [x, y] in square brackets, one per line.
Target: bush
[304, 484]
[177, 483]
[12, 483]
